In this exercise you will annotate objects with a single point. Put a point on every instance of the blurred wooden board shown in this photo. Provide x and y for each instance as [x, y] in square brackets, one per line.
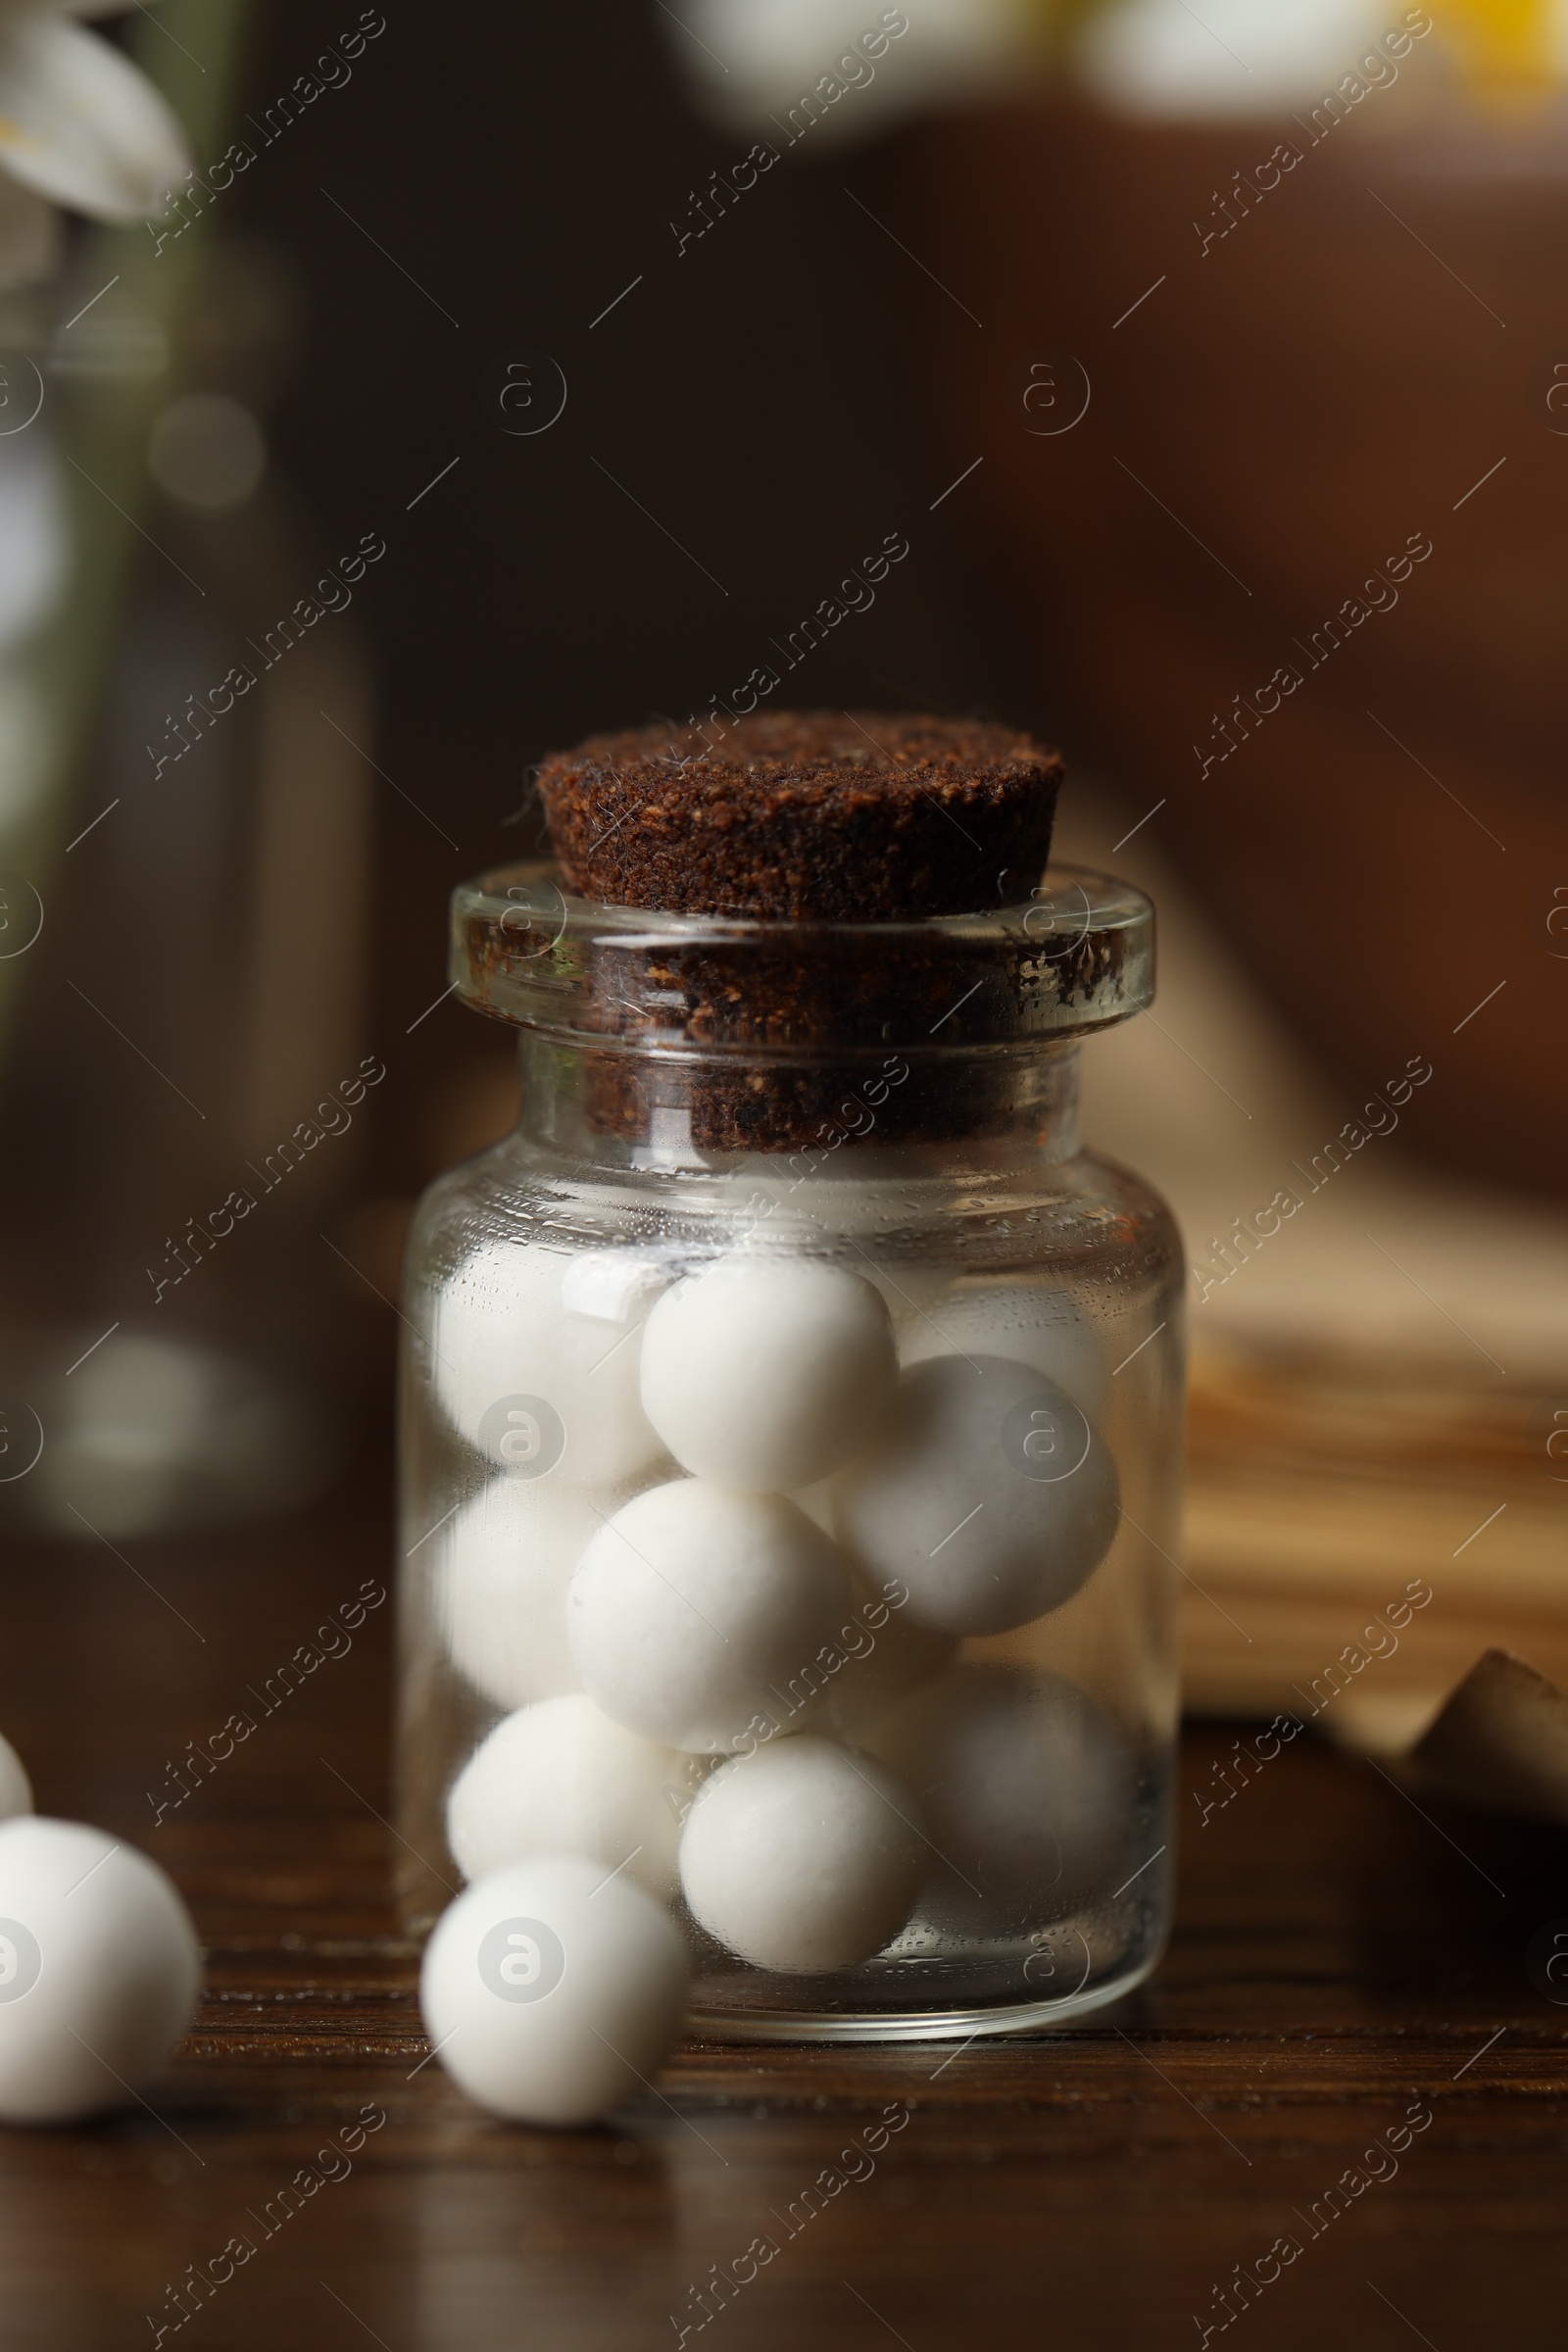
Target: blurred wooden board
[1319, 1495]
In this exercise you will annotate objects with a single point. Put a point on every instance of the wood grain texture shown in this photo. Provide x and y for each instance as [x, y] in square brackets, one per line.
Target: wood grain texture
[1320, 1489]
[1339, 1957]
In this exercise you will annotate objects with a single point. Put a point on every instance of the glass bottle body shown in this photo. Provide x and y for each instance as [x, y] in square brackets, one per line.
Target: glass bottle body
[934, 1798]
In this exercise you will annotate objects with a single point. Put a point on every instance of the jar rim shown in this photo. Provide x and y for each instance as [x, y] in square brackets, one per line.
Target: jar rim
[1075, 957]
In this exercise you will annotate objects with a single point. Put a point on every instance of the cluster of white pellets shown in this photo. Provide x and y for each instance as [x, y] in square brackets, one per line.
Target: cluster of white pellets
[99, 1964]
[744, 1519]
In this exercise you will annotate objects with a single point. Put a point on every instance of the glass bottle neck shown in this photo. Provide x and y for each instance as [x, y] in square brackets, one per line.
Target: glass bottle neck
[887, 1117]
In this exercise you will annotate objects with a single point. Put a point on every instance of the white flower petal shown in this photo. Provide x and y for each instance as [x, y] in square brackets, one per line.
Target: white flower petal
[82, 125]
[1230, 57]
[29, 236]
[752, 61]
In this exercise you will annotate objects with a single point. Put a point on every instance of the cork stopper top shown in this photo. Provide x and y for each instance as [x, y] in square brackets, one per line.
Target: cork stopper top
[805, 815]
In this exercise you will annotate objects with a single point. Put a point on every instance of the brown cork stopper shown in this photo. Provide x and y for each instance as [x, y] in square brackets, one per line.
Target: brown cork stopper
[800, 817]
[805, 815]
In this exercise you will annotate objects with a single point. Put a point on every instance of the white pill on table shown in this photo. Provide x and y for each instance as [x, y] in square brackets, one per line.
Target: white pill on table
[987, 1491]
[551, 1993]
[535, 1357]
[1020, 1320]
[696, 1614]
[765, 1372]
[99, 1970]
[802, 1857]
[1028, 1792]
[16, 1790]
[499, 1589]
[560, 1778]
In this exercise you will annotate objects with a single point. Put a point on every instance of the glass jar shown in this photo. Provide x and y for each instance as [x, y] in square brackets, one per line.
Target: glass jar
[791, 1458]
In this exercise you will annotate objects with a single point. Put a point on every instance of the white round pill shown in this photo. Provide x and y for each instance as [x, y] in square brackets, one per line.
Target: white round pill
[987, 1491]
[766, 1372]
[551, 1993]
[1028, 1792]
[99, 1970]
[16, 1790]
[695, 1615]
[1020, 1320]
[502, 1569]
[802, 1857]
[560, 1778]
[536, 1360]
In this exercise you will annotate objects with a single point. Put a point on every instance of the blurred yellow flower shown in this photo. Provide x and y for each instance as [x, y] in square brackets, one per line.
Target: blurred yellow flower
[1505, 40]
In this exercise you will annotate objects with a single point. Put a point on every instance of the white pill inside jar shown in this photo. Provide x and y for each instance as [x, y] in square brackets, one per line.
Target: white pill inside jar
[499, 1584]
[764, 1372]
[560, 1778]
[551, 1992]
[1029, 1793]
[987, 1491]
[99, 1970]
[695, 1615]
[1024, 1322]
[535, 1359]
[802, 1857]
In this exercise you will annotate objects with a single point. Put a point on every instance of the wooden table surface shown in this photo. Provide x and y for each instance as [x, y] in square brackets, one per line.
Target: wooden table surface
[1344, 1967]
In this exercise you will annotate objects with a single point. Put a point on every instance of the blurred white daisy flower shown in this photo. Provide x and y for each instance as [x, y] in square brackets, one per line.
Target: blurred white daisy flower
[79, 126]
[755, 60]
[1223, 57]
